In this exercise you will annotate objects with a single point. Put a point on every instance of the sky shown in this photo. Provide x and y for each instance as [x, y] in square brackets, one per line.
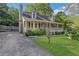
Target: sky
[55, 6]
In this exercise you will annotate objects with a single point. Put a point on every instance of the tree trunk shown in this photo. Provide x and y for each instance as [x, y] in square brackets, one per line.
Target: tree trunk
[49, 40]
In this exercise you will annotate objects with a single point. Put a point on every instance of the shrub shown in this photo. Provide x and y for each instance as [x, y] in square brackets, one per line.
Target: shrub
[36, 32]
[29, 32]
[40, 32]
[8, 22]
[74, 35]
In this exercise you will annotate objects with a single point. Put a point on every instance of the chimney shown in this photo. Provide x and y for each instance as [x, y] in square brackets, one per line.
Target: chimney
[52, 18]
[34, 14]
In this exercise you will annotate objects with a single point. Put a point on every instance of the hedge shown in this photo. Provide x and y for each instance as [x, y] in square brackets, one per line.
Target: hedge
[36, 32]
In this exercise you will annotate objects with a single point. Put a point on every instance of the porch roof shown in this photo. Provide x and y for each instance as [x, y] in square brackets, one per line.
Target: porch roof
[43, 21]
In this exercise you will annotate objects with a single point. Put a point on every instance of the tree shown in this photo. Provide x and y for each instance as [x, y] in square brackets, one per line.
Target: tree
[72, 10]
[3, 6]
[13, 12]
[29, 8]
[41, 8]
[8, 16]
[3, 10]
[62, 18]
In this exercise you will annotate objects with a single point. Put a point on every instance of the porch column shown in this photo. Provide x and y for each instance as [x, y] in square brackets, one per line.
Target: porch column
[25, 27]
[46, 26]
[34, 25]
[43, 25]
[50, 27]
[53, 28]
[57, 28]
[38, 25]
[30, 24]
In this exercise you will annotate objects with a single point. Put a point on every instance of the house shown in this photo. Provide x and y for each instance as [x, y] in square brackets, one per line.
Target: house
[34, 21]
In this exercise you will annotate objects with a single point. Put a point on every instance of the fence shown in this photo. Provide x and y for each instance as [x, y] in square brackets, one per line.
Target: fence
[9, 28]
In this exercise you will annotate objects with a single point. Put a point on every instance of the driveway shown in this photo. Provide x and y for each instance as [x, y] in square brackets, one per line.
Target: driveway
[16, 44]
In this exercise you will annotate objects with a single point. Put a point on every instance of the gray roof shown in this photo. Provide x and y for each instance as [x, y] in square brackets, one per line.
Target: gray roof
[39, 17]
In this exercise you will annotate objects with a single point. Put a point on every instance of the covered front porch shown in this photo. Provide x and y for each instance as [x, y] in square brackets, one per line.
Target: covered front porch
[47, 25]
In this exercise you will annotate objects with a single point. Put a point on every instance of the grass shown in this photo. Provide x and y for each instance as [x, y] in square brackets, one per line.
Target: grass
[60, 45]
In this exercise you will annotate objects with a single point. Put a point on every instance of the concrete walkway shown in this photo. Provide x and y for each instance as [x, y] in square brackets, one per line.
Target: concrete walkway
[15, 44]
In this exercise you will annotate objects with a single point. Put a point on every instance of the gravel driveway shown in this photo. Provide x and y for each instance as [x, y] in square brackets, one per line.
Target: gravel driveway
[16, 44]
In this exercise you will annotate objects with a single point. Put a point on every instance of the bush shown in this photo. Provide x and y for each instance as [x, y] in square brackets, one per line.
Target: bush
[8, 22]
[40, 32]
[74, 35]
[29, 33]
[36, 32]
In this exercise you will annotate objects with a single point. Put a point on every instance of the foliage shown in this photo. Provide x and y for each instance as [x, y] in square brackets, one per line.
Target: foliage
[74, 35]
[75, 27]
[3, 10]
[28, 8]
[14, 13]
[8, 16]
[36, 32]
[41, 8]
[74, 17]
[75, 20]
[60, 17]
[29, 33]
[63, 18]
[73, 10]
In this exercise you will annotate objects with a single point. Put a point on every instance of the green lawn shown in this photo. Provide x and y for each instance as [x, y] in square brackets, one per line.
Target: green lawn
[60, 45]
